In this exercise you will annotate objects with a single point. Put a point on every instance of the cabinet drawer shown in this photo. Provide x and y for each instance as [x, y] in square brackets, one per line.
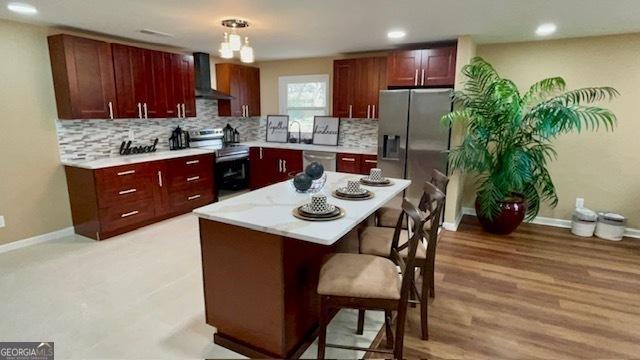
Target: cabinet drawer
[122, 177]
[126, 214]
[348, 163]
[368, 162]
[190, 164]
[191, 198]
[136, 191]
[191, 179]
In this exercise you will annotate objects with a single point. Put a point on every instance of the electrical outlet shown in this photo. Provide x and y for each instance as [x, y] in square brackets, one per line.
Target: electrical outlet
[1, 221]
[579, 203]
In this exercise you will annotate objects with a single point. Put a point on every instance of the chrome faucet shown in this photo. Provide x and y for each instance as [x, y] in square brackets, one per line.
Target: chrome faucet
[299, 132]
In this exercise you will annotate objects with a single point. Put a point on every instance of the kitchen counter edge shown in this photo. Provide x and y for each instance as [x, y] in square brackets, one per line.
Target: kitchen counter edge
[135, 159]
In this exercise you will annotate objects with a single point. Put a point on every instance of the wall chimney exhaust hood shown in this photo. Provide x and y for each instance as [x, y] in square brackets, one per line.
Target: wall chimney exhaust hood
[202, 69]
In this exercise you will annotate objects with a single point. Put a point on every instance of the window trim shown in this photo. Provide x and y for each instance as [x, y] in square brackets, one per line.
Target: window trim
[283, 81]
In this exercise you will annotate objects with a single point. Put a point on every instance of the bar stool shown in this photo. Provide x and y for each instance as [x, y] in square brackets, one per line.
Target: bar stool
[359, 281]
[375, 241]
[387, 215]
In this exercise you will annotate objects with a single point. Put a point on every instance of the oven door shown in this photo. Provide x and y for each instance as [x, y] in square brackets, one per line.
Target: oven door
[232, 173]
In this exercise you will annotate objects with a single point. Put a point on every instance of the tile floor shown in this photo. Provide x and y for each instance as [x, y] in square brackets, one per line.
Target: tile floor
[138, 295]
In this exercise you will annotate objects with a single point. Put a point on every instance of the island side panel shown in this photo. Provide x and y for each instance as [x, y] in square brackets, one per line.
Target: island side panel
[243, 285]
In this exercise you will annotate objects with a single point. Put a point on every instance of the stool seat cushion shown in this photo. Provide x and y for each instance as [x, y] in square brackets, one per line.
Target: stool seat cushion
[360, 276]
[377, 241]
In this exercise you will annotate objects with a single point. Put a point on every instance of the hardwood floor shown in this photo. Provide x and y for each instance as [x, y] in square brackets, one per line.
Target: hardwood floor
[538, 293]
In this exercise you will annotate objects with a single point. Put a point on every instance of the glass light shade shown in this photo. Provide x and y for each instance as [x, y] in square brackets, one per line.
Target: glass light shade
[225, 51]
[246, 54]
[235, 42]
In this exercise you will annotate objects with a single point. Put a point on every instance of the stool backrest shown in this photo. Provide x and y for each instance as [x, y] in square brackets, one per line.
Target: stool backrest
[439, 179]
[406, 264]
[432, 204]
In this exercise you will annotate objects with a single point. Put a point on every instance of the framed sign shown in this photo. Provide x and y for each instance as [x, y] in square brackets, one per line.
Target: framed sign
[278, 128]
[326, 130]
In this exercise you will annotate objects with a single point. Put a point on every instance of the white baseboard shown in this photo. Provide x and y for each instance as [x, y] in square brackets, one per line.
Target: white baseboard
[561, 223]
[453, 226]
[36, 239]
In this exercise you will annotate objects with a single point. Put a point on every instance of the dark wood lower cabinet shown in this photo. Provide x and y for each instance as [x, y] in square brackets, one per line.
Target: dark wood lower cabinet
[111, 201]
[269, 166]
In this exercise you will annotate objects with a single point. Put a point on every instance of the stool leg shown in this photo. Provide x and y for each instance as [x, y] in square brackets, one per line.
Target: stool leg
[432, 276]
[388, 330]
[412, 294]
[360, 329]
[322, 336]
[424, 305]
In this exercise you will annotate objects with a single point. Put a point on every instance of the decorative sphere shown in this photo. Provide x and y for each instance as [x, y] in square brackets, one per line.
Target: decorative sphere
[314, 170]
[302, 182]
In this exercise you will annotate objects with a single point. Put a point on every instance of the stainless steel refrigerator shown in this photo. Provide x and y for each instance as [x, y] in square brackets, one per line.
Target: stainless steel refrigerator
[411, 140]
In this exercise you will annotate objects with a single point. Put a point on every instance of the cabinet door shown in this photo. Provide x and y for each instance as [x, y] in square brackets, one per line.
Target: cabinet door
[188, 83]
[292, 163]
[172, 97]
[131, 78]
[348, 163]
[381, 69]
[253, 93]
[228, 78]
[83, 77]
[256, 168]
[439, 66]
[363, 84]
[157, 84]
[403, 68]
[344, 74]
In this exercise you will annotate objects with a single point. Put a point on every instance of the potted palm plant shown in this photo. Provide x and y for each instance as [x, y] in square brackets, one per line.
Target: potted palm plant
[509, 139]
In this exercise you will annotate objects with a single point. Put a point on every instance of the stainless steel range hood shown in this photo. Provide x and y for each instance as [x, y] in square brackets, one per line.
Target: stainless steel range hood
[202, 69]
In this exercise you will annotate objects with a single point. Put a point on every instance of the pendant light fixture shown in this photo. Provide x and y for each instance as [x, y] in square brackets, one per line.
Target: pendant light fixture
[246, 53]
[233, 41]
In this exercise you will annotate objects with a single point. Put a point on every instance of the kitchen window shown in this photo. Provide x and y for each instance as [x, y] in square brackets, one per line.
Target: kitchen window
[303, 97]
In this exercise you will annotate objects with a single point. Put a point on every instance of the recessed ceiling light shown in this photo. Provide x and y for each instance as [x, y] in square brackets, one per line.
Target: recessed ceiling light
[22, 8]
[396, 34]
[546, 29]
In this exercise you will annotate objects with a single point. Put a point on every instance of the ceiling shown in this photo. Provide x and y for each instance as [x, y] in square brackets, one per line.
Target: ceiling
[308, 28]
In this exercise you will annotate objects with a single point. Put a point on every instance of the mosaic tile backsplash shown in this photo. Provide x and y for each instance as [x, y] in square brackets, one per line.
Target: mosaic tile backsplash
[81, 140]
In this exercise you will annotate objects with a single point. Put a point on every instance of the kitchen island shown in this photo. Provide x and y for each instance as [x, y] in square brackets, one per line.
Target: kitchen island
[260, 264]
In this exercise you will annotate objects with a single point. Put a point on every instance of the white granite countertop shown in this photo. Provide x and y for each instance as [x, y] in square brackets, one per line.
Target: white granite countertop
[269, 210]
[327, 148]
[133, 159]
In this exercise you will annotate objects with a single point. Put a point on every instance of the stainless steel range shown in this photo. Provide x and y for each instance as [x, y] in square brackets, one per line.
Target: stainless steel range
[232, 160]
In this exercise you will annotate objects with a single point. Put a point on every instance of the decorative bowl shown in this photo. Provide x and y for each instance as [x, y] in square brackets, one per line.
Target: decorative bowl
[316, 185]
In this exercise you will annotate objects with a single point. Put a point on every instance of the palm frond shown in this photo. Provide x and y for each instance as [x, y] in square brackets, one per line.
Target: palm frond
[543, 88]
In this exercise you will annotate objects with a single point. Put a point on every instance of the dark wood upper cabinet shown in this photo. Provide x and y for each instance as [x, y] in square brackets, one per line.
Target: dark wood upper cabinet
[82, 77]
[403, 68]
[356, 86]
[97, 80]
[422, 68]
[243, 84]
[344, 83]
[439, 66]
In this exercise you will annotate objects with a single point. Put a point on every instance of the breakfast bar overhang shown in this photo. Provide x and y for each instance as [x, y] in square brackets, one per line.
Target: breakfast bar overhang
[260, 264]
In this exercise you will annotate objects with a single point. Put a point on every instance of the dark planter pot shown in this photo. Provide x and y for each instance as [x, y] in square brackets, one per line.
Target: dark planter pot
[511, 216]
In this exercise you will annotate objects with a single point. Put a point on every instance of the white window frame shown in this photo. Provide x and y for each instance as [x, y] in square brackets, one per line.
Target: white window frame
[283, 81]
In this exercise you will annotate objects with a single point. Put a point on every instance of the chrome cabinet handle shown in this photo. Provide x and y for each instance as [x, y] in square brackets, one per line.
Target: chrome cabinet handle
[191, 162]
[146, 114]
[371, 161]
[129, 214]
[193, 178]
[193, 197]
[350, 110]
[348, 159]
[416, 78]
[128, 172]
[373, 116]
[160, 178]
[178, 106]
[368, 111]
[279, 165]
[260, 153]
[183, 111]
[284, 165]
[139, 110]
[422, 82]
[110, 110]
[123, 192]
